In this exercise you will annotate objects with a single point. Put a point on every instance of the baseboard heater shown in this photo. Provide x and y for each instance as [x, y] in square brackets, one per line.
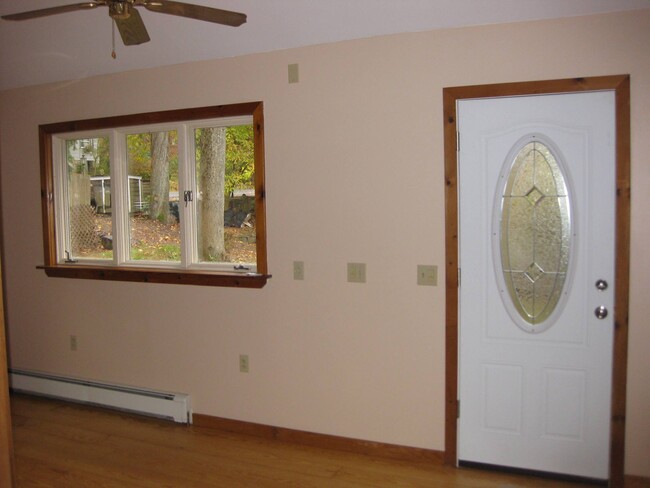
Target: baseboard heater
[172, 406]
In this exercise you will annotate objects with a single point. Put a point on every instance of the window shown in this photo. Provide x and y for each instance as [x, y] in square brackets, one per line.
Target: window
[167, 197]
[535, 235]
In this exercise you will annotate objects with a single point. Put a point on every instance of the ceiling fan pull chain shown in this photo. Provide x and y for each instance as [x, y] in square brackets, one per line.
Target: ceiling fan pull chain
[113, 55]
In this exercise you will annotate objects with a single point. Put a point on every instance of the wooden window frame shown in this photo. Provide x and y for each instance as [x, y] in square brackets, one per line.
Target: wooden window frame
[54, 268]
[620, 84]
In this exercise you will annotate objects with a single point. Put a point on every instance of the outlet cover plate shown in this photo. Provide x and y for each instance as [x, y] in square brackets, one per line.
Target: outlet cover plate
[244, 365]
[298, 270]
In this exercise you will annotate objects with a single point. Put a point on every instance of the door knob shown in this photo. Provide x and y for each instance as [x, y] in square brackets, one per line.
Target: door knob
[601, 285]
[601, 312]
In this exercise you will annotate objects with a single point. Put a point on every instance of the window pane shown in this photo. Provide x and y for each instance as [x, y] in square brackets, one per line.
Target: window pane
[153, 196]
[89, 198]
[225, 200]
[535, 233]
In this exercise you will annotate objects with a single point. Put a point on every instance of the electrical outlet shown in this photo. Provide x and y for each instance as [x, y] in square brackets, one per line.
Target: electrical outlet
[244, 365]
[356, 272]
[73, 342]
[427, 275]
[298, 270]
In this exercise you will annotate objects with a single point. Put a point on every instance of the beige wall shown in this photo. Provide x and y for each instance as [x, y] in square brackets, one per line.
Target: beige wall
[354, 173]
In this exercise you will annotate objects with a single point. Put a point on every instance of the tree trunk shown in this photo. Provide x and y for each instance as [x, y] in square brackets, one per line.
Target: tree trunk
[211, 182]
[159, 208]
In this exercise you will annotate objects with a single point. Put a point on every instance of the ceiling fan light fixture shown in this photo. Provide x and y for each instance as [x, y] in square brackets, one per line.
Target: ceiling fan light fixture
[128, 21]
[119, 10]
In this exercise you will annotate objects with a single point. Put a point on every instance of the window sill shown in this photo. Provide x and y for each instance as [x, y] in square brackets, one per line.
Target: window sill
[148, 275]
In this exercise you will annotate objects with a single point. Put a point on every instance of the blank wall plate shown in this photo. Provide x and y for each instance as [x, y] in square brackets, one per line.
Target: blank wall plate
[356, 272]
[427, 275]
[293, 73]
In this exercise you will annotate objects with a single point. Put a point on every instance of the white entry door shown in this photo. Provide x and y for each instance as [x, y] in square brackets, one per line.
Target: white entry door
[537, 226]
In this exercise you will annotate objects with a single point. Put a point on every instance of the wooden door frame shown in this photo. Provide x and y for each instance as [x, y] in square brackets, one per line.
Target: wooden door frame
[7, 469]
[6, 440]
[620, 84]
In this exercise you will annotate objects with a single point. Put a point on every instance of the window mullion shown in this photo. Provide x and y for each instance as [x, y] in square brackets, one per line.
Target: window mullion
[185, 184]
[60, 198]
[119, 189]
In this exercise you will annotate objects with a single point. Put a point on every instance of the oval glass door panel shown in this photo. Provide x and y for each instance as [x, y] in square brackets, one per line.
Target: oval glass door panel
[535, 235]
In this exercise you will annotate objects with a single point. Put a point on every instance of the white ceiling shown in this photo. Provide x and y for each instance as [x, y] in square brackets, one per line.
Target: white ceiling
[78, 44]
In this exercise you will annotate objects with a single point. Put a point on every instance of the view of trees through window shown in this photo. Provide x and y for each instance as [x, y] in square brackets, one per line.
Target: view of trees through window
[218, 186]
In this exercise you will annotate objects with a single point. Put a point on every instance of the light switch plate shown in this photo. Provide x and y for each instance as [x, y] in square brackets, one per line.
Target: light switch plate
[427, 275]
[356, 272]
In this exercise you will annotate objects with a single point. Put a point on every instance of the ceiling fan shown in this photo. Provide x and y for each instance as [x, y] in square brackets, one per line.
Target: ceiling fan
[128, 20]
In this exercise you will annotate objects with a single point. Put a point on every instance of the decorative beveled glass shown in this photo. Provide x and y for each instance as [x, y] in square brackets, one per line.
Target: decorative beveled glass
[535, 233]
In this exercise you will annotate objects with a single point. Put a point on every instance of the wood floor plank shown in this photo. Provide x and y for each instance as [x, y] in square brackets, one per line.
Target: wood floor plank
[60, 444]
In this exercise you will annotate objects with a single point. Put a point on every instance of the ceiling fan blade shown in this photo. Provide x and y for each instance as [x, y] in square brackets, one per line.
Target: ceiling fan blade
[198, 12]
[33, 14]
[132, 29]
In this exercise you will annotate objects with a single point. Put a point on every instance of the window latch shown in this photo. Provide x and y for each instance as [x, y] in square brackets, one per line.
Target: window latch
[241, 267]
[187, 196]
[68, 258]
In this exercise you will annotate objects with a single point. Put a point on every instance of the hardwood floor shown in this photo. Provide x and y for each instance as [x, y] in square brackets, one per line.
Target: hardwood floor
[61, 444]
